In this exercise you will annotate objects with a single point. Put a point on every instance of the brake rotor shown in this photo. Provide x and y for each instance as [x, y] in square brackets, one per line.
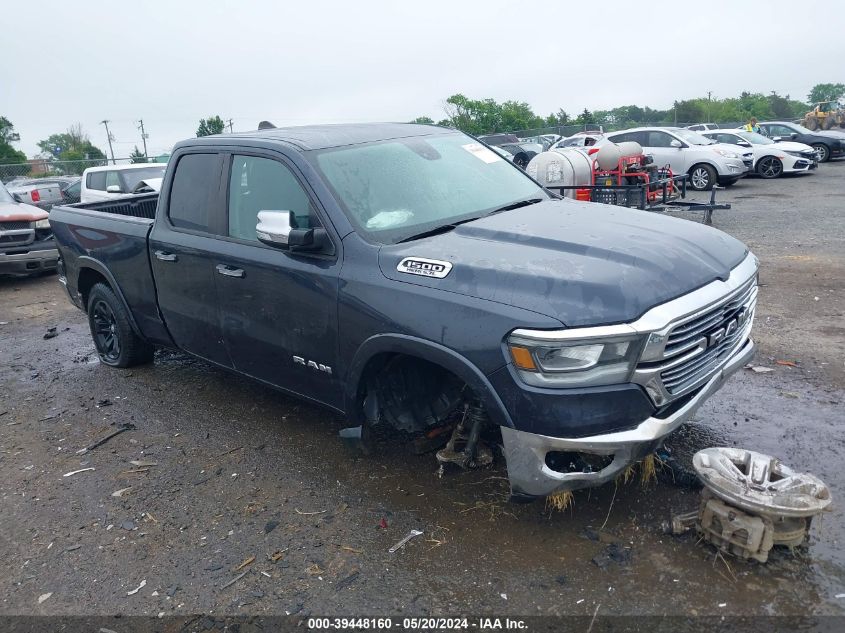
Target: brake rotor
[760, 484]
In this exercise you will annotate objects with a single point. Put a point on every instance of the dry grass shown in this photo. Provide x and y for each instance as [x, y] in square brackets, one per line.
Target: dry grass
[560, 501]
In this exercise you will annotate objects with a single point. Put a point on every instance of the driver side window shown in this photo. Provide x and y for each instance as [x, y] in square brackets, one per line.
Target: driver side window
[262, 184]
[659, 139]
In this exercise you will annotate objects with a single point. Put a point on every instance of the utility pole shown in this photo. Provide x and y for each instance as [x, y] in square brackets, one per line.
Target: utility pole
[143, 136]
[230, 127]
[709, 93]
[108, 134]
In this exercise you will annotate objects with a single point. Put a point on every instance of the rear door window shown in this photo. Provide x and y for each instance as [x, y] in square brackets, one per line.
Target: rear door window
[96, 180]
[193, 194]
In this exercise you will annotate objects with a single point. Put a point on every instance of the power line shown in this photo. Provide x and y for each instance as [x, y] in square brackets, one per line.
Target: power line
[109, 136]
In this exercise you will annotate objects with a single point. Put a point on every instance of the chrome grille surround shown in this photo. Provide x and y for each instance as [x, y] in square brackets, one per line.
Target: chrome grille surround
[684, 354]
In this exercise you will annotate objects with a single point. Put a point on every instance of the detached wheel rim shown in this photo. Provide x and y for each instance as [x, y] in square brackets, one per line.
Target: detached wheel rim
[700, 178]
[770, 167]
[106, 335]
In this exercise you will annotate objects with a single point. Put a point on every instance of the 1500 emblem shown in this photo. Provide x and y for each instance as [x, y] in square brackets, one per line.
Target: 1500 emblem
[424, 267]
[298, 360]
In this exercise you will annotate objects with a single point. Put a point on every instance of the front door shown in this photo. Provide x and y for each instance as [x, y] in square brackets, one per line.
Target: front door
[278, 307]
[183, 253]
[659, 145]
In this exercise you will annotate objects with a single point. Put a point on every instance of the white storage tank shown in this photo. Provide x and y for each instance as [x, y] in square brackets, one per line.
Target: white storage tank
[562, 167]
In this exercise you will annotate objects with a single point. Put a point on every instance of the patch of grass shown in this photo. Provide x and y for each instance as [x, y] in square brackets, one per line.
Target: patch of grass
[560, 501]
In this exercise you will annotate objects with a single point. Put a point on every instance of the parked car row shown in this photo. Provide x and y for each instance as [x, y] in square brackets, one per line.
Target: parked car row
[711, 156]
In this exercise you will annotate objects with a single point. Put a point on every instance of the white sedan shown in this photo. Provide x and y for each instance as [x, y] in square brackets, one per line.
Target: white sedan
[771, 159]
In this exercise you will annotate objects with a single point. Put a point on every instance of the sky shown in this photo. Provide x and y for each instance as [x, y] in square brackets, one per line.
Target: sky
[171, 63]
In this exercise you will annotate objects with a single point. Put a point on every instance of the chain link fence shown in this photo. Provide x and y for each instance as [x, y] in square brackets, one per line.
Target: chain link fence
[48, 168]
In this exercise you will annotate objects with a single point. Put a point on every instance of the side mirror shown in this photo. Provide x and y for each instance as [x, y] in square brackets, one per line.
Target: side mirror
[793, 136]
[676, 143]
[17, 197]
[777, 138]
[278, 229]
[113, 189]
[743, 143]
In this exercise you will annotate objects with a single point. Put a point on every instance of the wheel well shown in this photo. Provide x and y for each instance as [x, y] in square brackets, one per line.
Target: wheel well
[706, 164]
[88, 277]
[423, 372]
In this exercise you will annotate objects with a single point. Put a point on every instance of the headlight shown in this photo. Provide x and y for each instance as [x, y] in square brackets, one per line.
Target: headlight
[42, 224]
[726, 153]
[545, 361]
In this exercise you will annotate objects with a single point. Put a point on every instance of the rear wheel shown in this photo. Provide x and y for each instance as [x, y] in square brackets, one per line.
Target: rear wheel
[115, 340]
[828, 123]
[823, 151]
[811, 123]
[702, 177]
[769, 167]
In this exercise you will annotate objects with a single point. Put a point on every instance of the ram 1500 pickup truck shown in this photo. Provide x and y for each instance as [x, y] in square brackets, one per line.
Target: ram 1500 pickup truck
[411, 279]
[26, 240]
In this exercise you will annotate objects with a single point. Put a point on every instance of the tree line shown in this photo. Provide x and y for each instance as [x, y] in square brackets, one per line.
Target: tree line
[485, 116]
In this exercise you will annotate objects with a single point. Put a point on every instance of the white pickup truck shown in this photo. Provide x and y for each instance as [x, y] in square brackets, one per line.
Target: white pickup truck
[114, 181]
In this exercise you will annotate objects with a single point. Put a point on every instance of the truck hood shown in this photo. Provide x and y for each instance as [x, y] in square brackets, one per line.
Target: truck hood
[579, 262]
[17, 212]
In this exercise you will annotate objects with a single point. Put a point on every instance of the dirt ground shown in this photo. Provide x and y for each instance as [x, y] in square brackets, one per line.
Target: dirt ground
[232, 477]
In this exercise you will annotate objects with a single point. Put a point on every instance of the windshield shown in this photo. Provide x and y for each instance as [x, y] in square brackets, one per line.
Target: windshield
[131, 177]
[5, 196]
[800, 128]
[693, 138]
[757, 139]
[395, 189]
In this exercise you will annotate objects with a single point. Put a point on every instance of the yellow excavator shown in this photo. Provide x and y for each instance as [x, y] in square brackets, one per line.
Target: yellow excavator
[825, 115]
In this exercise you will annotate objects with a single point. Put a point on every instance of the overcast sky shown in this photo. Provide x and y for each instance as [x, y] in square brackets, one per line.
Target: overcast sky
[295, 63]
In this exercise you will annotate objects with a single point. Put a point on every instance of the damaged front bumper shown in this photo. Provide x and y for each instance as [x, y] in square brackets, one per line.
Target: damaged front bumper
[531, 476]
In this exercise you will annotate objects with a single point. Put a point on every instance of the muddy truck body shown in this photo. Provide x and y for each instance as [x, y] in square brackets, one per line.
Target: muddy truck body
[409, 278]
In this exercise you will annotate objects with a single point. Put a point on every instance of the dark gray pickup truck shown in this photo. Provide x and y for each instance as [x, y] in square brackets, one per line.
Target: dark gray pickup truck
[411, 279]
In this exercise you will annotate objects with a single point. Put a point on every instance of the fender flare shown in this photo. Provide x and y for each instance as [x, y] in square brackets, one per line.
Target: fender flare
[83, 262]
[429, 351]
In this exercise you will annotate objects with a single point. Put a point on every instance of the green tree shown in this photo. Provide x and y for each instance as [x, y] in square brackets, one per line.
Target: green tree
[137, 156]
[8, 154]
[211, 125]
[423, 120]
[72, 145]
[826, 92]
[558, 118]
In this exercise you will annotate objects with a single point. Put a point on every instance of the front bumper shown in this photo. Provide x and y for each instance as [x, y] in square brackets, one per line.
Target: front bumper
[525, 452]
[27, 262]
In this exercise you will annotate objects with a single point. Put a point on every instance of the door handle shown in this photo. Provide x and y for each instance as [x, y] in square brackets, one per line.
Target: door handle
[230, 271]
[165, 256]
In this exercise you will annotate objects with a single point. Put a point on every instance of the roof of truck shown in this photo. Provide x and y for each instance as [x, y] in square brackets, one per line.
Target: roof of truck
[308, 137]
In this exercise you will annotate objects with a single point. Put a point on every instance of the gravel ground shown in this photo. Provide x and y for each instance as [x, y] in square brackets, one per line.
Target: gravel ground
[220, 476]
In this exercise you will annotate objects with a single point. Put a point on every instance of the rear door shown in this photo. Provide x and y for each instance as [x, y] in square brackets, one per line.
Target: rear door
[278, 307]
[183, 251]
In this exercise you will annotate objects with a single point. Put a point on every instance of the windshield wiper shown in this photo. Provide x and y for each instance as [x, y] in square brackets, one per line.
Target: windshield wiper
[445, 228]
[516, 205]
[437, 230]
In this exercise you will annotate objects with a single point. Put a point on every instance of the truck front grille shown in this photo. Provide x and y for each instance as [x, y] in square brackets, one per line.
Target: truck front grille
[698, 346]
[14, 225]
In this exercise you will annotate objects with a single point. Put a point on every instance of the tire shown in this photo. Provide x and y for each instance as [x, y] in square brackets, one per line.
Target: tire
[823, 152]
[769, 167]
[811, 123]
[521, 160]
[702, 177]
[828, 122]
[116, 342]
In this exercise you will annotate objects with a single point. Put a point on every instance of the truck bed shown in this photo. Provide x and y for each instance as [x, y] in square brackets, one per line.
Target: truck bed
[110, 237]
[141, 206]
